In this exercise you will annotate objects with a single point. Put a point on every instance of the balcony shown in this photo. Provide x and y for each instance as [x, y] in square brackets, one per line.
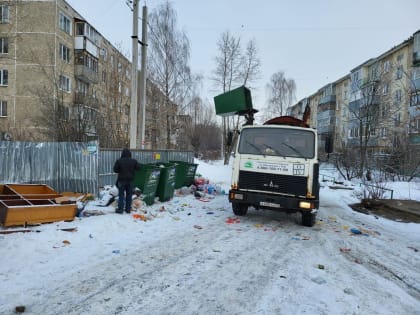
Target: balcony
[327, 99]
[86, 74]
[416, 84]
[83, 43]
[365, 101]
[416, 58]
[87, 100]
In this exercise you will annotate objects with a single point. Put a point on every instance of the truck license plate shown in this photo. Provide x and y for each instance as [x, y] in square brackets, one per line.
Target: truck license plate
[269, 204]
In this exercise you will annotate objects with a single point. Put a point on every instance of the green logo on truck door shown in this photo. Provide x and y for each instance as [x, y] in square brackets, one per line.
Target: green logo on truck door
[248, 164]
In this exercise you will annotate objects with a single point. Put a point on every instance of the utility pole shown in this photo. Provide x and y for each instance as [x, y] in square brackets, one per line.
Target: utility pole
[134, 67]
[143, 76]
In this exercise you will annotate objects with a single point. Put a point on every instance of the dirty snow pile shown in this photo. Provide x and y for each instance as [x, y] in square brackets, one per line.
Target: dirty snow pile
[191, 255]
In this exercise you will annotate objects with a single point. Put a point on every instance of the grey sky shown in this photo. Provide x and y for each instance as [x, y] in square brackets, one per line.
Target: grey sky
[314, 42]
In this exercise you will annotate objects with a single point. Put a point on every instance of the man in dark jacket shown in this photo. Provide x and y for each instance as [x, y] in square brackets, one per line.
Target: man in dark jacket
[125, 166]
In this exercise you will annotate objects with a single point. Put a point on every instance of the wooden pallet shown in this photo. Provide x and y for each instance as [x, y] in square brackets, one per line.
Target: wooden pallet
[25, 204]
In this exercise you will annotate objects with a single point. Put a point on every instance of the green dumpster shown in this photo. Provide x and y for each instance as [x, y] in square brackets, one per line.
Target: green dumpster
[147, 179]
[166, 186]
[185, 173]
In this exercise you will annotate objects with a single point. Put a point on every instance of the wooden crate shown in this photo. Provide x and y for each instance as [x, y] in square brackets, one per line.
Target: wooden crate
[34, 191]
[7, 193]
[22, 204]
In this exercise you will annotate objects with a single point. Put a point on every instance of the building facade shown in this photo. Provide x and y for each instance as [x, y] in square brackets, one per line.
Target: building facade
[60, 78]
[377, 103]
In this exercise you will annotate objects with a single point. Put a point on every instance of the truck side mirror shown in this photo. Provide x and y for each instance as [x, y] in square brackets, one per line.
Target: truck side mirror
[229, 138]
[328, 145]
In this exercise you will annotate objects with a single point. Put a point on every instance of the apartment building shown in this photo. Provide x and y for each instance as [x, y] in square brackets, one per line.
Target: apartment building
[60, 79]
[377, 101]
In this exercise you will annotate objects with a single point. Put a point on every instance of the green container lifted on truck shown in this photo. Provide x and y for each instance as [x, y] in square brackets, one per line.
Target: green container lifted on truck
[147, 179]
[235, 102]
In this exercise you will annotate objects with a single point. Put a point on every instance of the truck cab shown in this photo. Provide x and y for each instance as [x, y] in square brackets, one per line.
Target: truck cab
[276, 167]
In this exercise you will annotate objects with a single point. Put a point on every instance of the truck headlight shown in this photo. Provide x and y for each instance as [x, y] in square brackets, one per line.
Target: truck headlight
[237, 196]
[305, 205]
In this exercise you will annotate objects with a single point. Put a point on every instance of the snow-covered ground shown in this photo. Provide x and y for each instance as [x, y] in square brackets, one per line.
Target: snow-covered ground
[196, 257]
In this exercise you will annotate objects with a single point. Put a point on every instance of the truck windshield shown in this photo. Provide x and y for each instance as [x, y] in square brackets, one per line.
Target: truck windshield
[277, 142]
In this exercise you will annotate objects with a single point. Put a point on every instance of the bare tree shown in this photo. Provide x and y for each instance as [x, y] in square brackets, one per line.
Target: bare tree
[228, 62]
[251, 64]
[114, 102]
[204, 133]
[374, 112]
[168, 64]
[281, 92]
[233, 67]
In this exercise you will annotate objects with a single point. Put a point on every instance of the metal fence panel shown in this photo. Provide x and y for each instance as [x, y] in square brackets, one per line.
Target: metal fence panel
[70, 166]
[64, 166]
[107, 158]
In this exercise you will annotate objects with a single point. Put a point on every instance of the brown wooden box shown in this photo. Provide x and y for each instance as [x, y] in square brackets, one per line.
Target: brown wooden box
[22, 204]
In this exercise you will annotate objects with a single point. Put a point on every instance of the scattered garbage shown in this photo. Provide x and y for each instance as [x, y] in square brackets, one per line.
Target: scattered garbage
[413, 248]
[344, 250]
[348, 291]
[231, 220]
[355, 231]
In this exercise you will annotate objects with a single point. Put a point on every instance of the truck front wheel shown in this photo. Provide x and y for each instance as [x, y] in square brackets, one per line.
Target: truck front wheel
[239, 208]
[308, 218]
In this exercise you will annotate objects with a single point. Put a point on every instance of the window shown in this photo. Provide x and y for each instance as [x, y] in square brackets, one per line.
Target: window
[398, 96]
[385, 88]
[65, 23]
[355, 81]
[417, 125]
[383, 132]
[80, 29]
[4, 13]
[397, 119]
[415, 100]
[83, 58]
[383, 110]
[4, 77]
[354, 133]
[4, 45]
[269, 141]
[104, 76]
[64, 53]
[3, 108]
[372, 131]
[399, 73]
[82, 88]
[387, 66]
[65, 83]
[64, 112]
[103, 53]
[416, 73]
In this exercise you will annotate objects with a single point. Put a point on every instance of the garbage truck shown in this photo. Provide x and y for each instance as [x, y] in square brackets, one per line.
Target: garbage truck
[276, 167]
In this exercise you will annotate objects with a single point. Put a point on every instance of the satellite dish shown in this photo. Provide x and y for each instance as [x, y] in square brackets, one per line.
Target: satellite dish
[7, 136]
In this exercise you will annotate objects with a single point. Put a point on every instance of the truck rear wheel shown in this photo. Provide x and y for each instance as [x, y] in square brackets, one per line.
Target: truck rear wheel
[239, 208]
[308, 218]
